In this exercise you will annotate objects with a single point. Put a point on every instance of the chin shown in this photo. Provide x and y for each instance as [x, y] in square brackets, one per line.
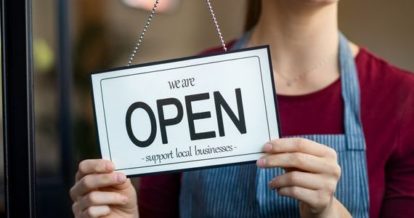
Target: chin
[301, 2]
[318, 2]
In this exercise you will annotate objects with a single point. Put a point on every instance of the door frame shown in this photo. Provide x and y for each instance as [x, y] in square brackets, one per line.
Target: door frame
[18, 113]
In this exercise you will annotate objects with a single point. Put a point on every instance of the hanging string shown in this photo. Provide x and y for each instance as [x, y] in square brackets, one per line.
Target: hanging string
[213, 16]
[142, 34]
[148, 23]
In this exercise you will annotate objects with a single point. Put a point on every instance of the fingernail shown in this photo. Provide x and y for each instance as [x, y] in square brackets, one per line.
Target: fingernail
[267, 147]
[270, 184]
[281, 191]
[103, 210]
[261, 162]
[121, 177]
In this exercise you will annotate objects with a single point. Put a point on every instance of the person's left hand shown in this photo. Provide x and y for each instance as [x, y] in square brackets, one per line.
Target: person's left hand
[312, 173]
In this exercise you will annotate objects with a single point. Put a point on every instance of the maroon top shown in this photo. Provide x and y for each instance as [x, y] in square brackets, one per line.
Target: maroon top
[387, 113]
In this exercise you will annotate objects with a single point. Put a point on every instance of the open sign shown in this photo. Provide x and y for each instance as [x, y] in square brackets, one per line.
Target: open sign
[186, 113]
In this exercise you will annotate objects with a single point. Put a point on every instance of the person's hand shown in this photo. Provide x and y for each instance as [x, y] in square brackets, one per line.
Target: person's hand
[101, 192]
[312, 173]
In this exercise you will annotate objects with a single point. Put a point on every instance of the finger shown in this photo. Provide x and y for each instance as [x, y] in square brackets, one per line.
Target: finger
[299, 145]
[300, 161]
[98, 198]
[75, 209]
[316, 199]
[95, 181]
[96, 211]
[304, 180]
[93, 167]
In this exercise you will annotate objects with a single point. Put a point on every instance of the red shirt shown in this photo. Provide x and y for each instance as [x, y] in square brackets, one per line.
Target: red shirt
[387, 113]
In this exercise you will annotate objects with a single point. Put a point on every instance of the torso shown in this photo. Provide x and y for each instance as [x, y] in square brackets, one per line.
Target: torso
[387, 96]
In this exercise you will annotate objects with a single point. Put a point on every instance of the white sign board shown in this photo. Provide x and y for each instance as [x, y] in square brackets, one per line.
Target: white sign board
[186, 113]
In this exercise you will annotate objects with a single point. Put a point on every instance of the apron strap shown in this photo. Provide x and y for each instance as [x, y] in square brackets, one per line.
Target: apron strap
[351, 96]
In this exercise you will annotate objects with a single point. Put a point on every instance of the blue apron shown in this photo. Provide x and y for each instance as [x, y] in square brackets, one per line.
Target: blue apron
[242, 191]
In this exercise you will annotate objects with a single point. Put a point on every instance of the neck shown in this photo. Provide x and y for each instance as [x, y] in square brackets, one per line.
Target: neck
[301, 36]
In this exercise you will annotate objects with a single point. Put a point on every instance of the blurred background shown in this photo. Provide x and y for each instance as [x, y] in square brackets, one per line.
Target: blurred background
[100, 34]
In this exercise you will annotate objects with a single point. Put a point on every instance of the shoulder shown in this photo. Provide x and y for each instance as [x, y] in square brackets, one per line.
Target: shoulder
[387, 91]
[379, 76]
[375, 69]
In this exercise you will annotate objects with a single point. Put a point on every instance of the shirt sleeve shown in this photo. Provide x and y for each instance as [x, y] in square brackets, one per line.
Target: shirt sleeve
[158, 196]
[399, 195]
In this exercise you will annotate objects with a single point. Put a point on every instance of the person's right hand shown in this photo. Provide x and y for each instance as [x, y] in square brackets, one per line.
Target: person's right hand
[101, 192]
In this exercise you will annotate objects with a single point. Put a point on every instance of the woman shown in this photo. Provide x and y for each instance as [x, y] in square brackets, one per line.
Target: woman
[353, 112]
